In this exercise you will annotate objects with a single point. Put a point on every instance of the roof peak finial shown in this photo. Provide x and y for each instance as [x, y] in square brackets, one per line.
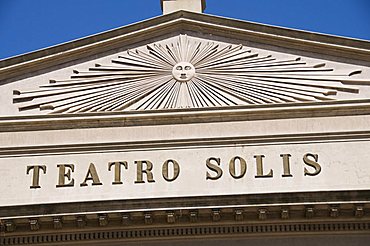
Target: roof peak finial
[169, 6]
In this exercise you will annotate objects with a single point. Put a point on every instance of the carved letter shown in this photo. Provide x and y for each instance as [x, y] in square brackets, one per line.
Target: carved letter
[91, 175]
[147, 171]
[117, 170]
[311, 163]
[214, 168]
[286, 165]
[243, 167]
[176, 170]
[260, 168]
[63, 175]
[36, 175]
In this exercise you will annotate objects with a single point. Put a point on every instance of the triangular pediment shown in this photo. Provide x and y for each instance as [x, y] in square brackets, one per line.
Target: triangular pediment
[187, 70]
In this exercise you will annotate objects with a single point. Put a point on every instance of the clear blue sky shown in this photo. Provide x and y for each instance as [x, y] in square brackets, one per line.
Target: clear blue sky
[28, 25]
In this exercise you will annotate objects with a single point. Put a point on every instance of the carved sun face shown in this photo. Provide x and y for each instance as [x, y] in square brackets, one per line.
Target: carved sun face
[187, 72]
[183, 71]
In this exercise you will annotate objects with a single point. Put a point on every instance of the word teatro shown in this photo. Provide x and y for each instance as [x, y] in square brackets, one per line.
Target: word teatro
[237, 167]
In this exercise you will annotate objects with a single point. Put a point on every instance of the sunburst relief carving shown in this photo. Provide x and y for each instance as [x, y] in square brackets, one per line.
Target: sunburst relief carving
[188, 73]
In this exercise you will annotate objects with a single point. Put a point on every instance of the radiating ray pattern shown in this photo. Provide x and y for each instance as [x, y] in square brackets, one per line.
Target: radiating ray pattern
[225, 75]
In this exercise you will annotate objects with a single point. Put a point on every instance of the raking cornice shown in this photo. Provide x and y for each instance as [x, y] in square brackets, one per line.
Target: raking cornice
[182, 21]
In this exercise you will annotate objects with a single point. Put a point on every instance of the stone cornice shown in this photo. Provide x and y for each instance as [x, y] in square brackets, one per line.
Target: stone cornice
[185, 116]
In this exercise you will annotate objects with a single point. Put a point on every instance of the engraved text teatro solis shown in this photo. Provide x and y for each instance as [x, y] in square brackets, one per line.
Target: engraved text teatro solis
[214, 169]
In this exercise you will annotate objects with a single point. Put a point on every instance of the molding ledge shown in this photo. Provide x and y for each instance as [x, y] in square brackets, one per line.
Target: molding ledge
[185, 116]
[318, 137]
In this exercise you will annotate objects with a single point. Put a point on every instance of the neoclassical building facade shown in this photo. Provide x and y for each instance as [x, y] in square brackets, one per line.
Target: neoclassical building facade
[186, 129]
